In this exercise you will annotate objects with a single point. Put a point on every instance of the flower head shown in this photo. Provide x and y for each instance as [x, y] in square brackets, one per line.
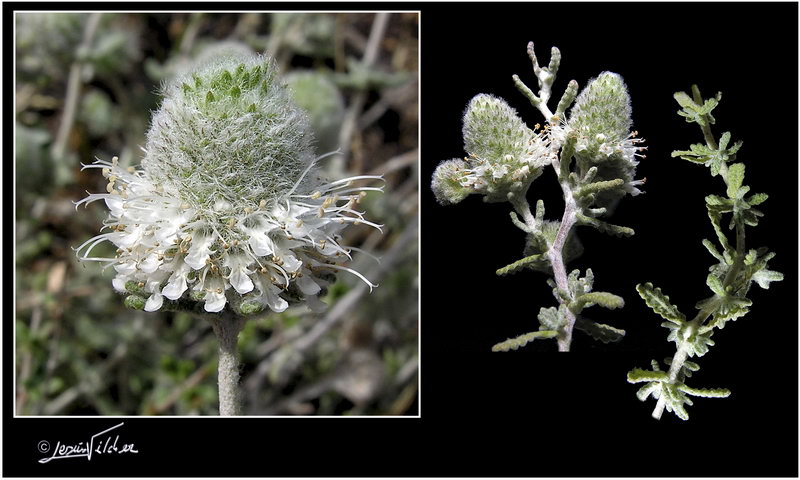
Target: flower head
[505, 156]
[227, 208]
[601, 122]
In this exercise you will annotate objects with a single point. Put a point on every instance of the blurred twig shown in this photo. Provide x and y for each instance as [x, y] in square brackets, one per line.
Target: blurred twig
[359, 99]
[74, 86]
[399, 162]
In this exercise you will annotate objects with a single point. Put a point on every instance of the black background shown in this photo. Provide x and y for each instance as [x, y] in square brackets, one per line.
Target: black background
[535, 412]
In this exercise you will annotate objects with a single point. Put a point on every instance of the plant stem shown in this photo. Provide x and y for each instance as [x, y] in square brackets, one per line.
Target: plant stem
[683, 348]
[227, 328]
[74, 84]
[559, 269]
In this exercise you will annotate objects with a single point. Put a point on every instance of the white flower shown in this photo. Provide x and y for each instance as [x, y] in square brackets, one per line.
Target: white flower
[228, 208]
[273, 254]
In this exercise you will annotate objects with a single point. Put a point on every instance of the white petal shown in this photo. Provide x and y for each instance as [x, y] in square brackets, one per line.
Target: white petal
[176, 286]
[215, 302]
[114, 204]
[125, 268]
[150, 264]
[154, 302]
[307, 285]
[240, 281]
[290, 262]
[261, 244]
[199, 252]
[119, 283]
[274, 301]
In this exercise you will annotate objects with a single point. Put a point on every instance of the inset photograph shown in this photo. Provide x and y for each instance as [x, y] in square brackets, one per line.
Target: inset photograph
[216, 214]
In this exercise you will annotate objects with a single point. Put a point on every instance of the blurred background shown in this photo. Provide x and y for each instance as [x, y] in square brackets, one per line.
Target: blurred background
[86, 84]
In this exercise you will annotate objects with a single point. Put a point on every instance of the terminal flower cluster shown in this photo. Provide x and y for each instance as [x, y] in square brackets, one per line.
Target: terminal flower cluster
[228, 208]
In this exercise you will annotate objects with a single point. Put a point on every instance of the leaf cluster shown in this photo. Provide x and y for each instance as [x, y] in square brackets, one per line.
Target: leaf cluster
[729, 279]
[553, 320]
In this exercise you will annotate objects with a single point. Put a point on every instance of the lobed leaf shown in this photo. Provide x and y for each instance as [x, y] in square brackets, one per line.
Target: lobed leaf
[522, 340]
[705, 392]
[599, 331]
[604, 226]
[518, 265]
[637, 375]
[735, 178]
[604, 299]
[553, 318]
[660, 303]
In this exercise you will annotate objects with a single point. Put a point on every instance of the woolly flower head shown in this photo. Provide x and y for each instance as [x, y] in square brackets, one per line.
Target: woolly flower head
[505, 156]
[601, 122]
[227, 208]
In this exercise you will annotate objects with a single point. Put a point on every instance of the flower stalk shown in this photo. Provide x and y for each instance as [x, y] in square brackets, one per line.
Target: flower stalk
[227, 328]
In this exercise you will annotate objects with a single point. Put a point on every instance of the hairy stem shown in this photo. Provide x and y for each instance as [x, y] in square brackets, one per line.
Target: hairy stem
[559, 268]
[522, 207]
[683, 348]
[227, 328]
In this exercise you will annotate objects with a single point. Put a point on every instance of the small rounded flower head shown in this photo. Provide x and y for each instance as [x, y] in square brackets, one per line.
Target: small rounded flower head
[504, 155]
[447, 181]
[227, 209]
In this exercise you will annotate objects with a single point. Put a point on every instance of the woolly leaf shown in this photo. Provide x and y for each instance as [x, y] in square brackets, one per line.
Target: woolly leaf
[522, 340]
[518, 265]
[715, 284]
[705, 392]
[604, 226]
[713, 250]
[520, 224]
[764, 277]
[552, 318]
[723, 315]
[716, 221]
[735, 178]
[599, 187]
[699, 343]
[684, 100]
[652, 388]
[637, 375]
[757, 198]
[604, 299]
[674, 400]
[599, 331]
[659, 303]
